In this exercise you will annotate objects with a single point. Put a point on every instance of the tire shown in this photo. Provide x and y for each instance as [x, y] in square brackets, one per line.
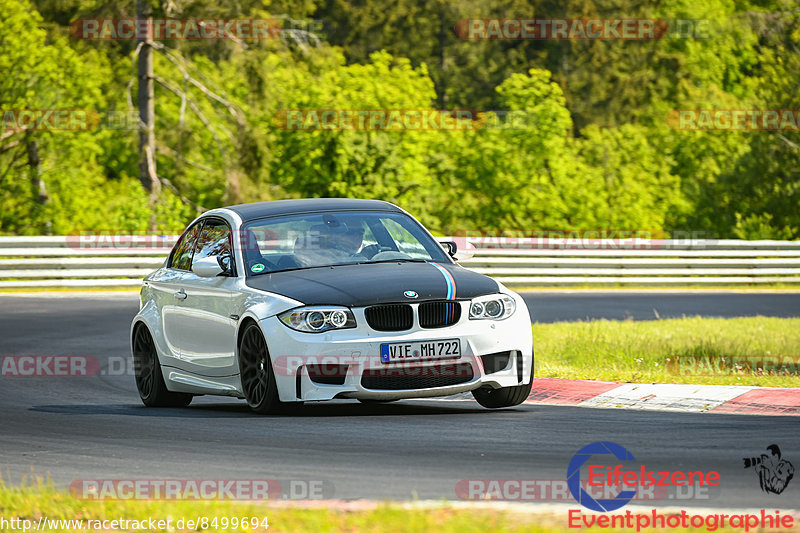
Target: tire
[149, 379]
[504, 396]
[255, 369]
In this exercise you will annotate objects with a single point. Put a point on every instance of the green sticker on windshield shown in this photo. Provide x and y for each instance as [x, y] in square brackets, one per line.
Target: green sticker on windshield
[258, 267]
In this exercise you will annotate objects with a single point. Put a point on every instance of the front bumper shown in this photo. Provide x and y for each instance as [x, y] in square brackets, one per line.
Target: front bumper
[323, 366]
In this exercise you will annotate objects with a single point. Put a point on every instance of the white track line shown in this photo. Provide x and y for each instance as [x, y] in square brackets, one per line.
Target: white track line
[665, 397]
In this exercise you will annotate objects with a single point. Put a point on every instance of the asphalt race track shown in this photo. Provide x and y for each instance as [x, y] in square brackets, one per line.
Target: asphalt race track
[74, 428]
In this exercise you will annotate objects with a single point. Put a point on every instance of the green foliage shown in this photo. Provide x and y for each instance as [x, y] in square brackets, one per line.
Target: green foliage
[374, 164]
[572, 135]
[638, 190]
[40, 76]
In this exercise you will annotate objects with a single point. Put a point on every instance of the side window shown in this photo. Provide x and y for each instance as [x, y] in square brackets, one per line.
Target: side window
[182, 256]
[214, 240]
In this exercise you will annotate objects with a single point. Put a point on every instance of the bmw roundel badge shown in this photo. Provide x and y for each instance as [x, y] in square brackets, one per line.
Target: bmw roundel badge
[410, 294]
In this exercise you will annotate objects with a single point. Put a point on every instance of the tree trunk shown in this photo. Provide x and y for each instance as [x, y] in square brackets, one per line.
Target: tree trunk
[147, 137]
[38, 187]
[443, 29]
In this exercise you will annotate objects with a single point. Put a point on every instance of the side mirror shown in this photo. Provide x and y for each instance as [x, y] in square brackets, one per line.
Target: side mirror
[450, 247]
[209, 267]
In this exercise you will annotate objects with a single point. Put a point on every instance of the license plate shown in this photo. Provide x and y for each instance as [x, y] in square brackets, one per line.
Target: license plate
[420, 351]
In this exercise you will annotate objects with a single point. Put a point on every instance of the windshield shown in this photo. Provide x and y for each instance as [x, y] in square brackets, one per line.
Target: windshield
[335, 238]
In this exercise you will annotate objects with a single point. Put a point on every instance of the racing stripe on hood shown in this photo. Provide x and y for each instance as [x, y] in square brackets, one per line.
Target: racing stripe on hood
[448, 279]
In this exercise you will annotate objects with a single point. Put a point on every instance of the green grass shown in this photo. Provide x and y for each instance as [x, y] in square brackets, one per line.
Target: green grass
[34, 501]
[645, 352]
[30, 502]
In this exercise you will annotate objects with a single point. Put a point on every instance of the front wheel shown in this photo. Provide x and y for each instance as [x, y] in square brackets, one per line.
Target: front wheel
[255, 368]
[149, 379]
[504, 396]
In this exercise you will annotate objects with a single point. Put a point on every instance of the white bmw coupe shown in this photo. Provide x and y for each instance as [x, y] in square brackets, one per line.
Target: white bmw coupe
[290, 301]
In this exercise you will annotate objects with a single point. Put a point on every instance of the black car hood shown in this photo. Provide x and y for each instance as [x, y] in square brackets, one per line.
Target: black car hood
[373, 283]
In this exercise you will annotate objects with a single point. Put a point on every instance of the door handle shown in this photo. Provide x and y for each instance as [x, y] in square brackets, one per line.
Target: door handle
[181, 295]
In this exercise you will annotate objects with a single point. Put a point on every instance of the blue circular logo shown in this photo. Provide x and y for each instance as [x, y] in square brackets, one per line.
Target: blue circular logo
[410, 294]
[574, 476]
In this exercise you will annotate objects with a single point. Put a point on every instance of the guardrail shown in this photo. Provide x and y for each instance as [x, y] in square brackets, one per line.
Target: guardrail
[42, 262]
[643, 262]
[47, 262]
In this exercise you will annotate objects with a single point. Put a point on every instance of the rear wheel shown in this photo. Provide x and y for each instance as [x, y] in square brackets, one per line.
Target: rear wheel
[255, 368]
[504, 396]
[149, 379]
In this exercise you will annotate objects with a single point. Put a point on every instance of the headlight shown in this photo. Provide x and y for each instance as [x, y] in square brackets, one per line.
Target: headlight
[492, 307]
[318, 319]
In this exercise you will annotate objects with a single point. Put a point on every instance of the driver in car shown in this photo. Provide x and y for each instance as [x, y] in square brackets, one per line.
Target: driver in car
[325, 245]
[348, 241]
